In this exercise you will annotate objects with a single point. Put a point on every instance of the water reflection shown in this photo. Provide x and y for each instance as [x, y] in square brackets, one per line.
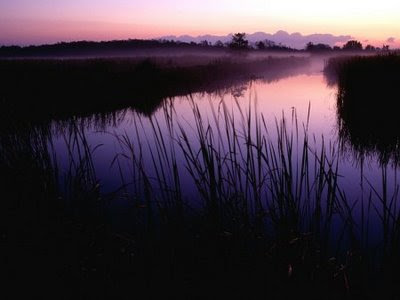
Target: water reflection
[253, 164]
[57, 90]
[369, 131]
[143, 161]
[367, 116]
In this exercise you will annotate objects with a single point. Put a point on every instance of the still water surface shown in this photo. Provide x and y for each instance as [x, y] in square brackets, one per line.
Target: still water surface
[307, 96]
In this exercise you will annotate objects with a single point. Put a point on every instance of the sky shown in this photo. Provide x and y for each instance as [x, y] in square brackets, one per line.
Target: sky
[46, 21]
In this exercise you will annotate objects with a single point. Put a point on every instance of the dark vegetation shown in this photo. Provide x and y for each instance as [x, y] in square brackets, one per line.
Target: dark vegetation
[136, 47]
[349, 46]
[367, 104]
[239, 42]
[105, 48]
[273, 220]
[55, 89]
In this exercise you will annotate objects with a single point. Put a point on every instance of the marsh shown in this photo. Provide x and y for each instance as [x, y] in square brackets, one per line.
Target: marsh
[240, 172]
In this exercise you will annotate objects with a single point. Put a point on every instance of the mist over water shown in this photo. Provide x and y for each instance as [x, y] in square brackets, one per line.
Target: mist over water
[303, 98]
[198, 161]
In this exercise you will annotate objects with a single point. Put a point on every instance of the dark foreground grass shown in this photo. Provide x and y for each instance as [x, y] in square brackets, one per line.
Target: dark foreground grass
[60, 88]
[273, 221]
[368, 96]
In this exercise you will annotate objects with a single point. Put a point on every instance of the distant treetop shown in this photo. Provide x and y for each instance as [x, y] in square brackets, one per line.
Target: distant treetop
[239, 41]
[318, 47]
[353, 45]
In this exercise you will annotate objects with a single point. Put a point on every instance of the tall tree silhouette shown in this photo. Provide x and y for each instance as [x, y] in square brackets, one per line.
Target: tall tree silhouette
[239, 41]
[353, 45]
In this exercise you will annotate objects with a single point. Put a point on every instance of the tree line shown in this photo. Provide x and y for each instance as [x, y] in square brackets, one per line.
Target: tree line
[238, 42]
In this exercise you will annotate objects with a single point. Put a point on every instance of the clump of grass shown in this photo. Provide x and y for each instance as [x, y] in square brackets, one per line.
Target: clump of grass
[377, 70]
[368, 92]
[245, 179]
[253, 183]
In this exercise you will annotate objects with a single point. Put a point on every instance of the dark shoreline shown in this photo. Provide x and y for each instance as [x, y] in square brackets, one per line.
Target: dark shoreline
[52, 88]
[367, 103]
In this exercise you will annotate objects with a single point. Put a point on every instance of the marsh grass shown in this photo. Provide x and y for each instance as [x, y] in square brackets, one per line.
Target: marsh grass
[227, 205]
[251, 184]
[368, 92]
[276, 186]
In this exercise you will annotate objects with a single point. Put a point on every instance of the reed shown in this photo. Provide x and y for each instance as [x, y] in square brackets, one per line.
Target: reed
[368, 89]
[229, 199]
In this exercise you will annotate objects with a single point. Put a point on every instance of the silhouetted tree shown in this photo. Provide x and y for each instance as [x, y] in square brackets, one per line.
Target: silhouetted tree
[269, 44]
[239, 41]
[336, 48]
[204, 43]
[309, 46]
[353, 45]
[317, 47]
[260, 45]
[370, 48]
[219, 44]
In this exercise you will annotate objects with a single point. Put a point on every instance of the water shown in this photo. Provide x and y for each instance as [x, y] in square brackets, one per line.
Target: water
[307, 98]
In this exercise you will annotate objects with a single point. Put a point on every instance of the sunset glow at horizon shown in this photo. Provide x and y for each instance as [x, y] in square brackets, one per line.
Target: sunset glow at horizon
[25, 22]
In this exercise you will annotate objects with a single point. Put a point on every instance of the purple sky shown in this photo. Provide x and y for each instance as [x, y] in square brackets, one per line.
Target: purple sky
[39, 21]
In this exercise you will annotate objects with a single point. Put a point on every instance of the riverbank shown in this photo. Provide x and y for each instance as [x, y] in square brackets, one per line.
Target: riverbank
[368, 96]
[43, 89]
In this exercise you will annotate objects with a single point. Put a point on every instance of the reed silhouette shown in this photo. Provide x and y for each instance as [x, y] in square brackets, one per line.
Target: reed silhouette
[227, 207]
[273, 219]
[368, 92]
